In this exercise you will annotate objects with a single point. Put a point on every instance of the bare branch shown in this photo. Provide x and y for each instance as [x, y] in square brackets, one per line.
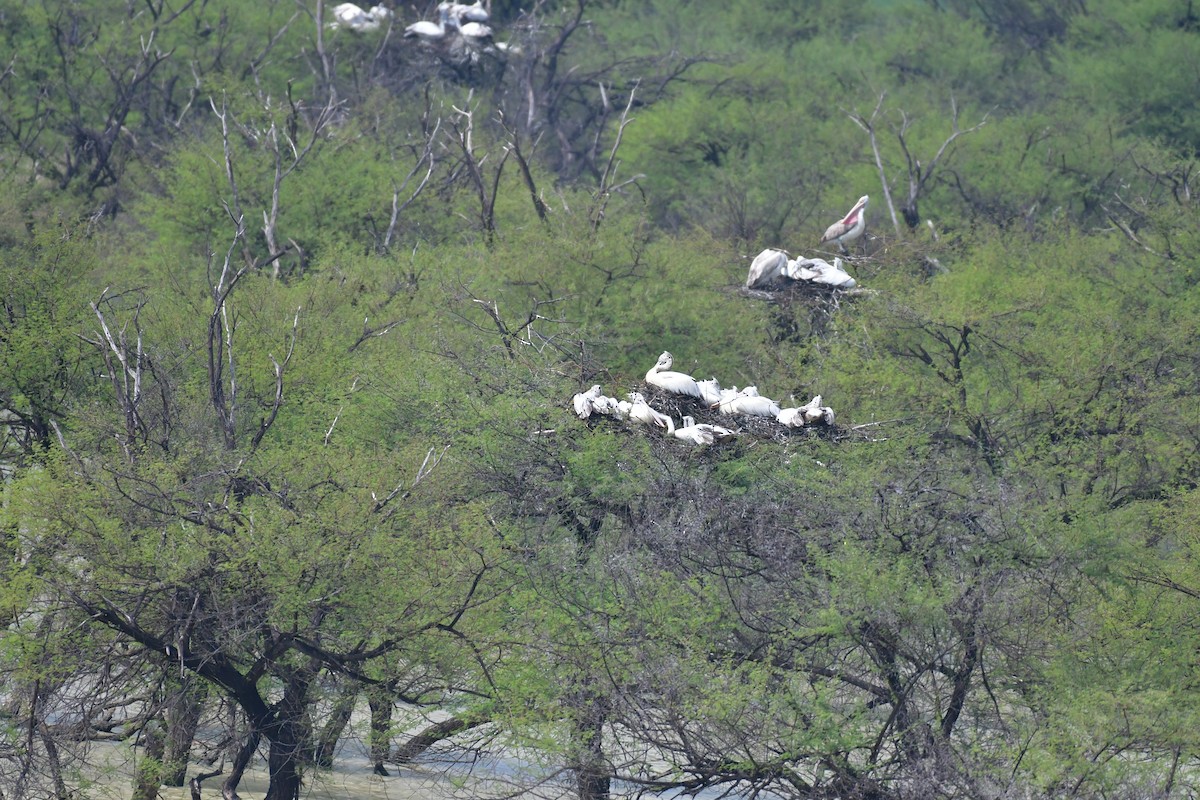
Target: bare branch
[868, 125]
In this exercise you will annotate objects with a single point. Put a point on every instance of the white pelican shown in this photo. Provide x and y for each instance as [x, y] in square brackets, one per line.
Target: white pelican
[766, 268]
[818, 270]
[429, 31]
[476, 33]
[351, 16]
[849, 227]
[710, 391]
[622, 409]
[815, 412]
[792, 417]
[582, 402]
[693, 433]
[717, 431]
[460, 12]
[807, 414]
[676, 382]
[604, 405]
[643, 413]
[748, 402]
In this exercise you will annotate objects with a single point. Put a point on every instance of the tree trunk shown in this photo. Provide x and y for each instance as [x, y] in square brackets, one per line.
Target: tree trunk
[379, 737]
[339, 718]
[432, 735]
[589, 712]
[289, 736]
[240, 761]
[183, 717]
[148, 777]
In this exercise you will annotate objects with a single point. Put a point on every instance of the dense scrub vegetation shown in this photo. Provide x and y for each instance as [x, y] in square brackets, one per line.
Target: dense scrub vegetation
[293, 317]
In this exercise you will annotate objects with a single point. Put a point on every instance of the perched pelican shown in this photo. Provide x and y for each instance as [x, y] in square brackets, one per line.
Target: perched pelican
[792, 417]
[643, 413]
[717, 431]
[710, 391]
[459, 12]
[766, 268]
[676, 382]
[690, 432]
[476, 33]
[748, 402]
[849, 227]
[583, 401]
[622, 409]
[807, 414]
[815, 412]
[818, 270]
[604, 405]
[429, 31]
[351, 16]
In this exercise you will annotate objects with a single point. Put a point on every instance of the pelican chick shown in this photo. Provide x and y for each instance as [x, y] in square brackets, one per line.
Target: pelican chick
[693, 433]
[583, 402]
[643, 413]
[710, 392]
[718, 431]
[604, 405]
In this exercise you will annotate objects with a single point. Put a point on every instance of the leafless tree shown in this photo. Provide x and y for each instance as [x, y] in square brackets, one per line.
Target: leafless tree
[918, 174]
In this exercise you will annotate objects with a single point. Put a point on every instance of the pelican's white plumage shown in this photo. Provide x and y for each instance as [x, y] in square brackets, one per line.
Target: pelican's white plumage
[710, 391]
[428, 31]
[792, 417]
[460, 12]
[807, 414]
[818, 270]
[849, 227]
[717, 431]
[349, 15]
[604, 405]
[643, 413]
[766, 268]
[815, 412]
[748, 402]
[623, 408]
[475, 32]
[694, 434]
[582, 402]
[675, 382]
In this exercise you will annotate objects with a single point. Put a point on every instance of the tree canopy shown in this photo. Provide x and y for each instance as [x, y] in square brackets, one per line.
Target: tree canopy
[293, 316]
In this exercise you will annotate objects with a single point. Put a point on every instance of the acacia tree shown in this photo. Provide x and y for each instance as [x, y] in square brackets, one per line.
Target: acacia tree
[190, 521]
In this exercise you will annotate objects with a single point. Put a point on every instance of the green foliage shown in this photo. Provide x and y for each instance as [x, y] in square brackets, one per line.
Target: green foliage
[984, 572]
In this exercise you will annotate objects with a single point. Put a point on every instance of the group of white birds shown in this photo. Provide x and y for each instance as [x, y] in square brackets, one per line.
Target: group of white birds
[733, 401]
[466, 22]
[773, 267]
[348, 15]
[770, 268]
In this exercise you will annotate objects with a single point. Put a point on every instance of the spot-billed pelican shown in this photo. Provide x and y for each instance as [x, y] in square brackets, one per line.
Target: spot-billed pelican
[643, 413]
[428, 31]
[717, 431]
[849, 227]
[766, 269]
[675, 382]
[693, 433]
[710, 391]
[582, 402]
